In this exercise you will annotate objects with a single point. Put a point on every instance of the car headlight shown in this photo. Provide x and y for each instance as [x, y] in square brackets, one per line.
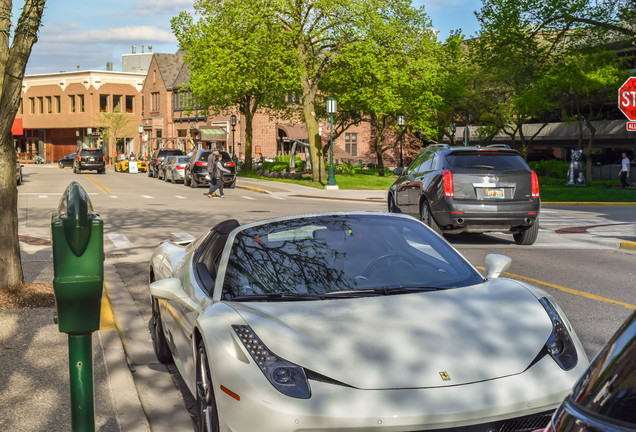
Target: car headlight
[288, 378]
[559, 345]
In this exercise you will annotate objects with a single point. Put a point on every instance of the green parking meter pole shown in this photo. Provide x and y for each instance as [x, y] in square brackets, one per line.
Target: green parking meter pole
[78, 264]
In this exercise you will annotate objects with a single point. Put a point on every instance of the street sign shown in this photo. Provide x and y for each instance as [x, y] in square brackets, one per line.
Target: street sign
[627, 98]
[631, 126]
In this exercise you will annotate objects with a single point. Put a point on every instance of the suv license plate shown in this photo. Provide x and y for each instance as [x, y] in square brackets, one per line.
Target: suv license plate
[91, 159]
[494, 193]
[207, 177]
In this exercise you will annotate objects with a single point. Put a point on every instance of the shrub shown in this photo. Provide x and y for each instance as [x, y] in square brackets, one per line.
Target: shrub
[553, 168]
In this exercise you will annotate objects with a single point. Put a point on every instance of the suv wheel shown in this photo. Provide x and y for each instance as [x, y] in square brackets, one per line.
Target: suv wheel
[193, 183]
[427, 218]
[392, 207]
[186, 182]
[528, 236]
[149, 172]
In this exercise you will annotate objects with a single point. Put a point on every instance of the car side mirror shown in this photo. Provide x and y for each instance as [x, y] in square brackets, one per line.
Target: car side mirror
[496, 264]
[398, 171]
[170, 289]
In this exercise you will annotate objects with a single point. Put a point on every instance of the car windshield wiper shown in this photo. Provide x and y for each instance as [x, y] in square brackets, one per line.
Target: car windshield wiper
[276, 297]
[381, 291]
[483, 167]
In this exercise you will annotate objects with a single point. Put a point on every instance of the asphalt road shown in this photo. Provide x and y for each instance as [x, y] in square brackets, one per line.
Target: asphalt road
[593, 281]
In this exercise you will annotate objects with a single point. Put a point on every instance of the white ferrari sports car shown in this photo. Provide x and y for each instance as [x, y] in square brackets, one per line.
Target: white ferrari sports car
[356, 322]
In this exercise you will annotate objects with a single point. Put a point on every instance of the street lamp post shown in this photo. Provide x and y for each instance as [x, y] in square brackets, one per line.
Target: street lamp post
[233, 123]
[332, 108]
[89, 131]
[141, 152]
[400, 122]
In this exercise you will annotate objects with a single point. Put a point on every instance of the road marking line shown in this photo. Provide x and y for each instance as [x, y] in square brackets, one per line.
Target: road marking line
[184, 236]
[101, 186]
[277, 197]
[569, 290]
[180, 197]
[107, 317]
[113, 196]
[247, 198]
[120, 241]
[43, 196]
[49, 193]
[148, 197]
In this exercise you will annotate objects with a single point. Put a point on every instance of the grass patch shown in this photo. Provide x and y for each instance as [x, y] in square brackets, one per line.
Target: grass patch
[360, 181]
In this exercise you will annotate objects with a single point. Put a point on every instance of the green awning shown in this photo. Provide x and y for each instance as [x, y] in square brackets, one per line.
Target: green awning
[216, 134]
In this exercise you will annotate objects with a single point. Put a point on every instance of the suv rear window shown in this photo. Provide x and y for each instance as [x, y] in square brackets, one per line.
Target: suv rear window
[92, 152]
[203, 156]
[486, 160]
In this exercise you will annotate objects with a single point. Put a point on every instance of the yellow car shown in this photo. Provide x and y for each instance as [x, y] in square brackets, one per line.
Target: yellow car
[122, 166]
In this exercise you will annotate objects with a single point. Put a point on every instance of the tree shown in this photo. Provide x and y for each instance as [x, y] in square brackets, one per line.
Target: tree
[115, 126]
[392, 68]
[14, 54]
[237, 60]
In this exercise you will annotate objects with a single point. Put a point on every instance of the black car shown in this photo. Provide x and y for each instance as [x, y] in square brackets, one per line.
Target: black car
[157, 156]
[161, 168]
[90, 159]
[67, 161]
[470, 189]
[196, 171]
[604, 399]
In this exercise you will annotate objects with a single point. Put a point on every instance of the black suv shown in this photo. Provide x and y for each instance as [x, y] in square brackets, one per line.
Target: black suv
[90, 159]
[470, 189]
[196, 171]
[157, 156]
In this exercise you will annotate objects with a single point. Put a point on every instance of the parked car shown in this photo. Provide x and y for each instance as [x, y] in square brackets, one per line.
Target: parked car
[604, 399]
[157, 156]
[18, 173]
[161, 168]
[470, 189]
[67, 161]
[174, 171]
[122, 165]
[356, 321]
[90, 159]
[196, 172]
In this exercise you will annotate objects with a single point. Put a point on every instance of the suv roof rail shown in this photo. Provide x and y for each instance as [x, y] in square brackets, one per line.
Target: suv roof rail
[503, 146]
[444, 146]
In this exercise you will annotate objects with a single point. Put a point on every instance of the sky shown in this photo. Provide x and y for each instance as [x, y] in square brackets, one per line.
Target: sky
[87, 34]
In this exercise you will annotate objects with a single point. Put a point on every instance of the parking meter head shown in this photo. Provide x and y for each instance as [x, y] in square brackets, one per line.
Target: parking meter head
[78, 262]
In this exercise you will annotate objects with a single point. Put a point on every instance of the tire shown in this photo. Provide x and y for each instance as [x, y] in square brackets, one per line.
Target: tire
[528, 236]
[149, 172]
[427, 218]
[392, 207]
[162, 350]
[165, 177]
[207, 415]
[185, 180]
[193, 183]
[60, 164]
[232, 185]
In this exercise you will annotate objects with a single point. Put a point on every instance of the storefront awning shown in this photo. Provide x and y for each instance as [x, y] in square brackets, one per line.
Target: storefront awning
[16, 129]
[216, 134]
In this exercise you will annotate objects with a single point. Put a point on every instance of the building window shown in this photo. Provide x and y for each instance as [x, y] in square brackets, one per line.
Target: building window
[130, 104]
[32, 104]
[21, 106]
[71, 100]
[40, 105]
[181, 133]
[80, 101]
[154, 101]
[351, 143]
[116, 103]
[103, 103]
[57, 104]
[158, 133]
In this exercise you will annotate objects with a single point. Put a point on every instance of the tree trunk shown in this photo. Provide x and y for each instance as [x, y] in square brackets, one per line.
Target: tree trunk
[249, 137]
[12, 66]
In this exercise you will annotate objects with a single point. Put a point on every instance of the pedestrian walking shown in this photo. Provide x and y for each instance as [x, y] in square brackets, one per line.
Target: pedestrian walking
[216, 170]
[624, 172]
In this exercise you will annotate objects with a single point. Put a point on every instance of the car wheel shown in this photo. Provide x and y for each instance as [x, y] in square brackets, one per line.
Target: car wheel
[528, 236]
[60, 164]
[185, 179]
[149, 172]
[207, 414]
[427, 218]
[232, 185]
[165, 177]
[162, 351]
[193, 183]
[393, 208]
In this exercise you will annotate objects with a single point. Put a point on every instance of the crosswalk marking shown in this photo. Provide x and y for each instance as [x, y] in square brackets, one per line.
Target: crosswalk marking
[184, 236]
[113, 196]
[147, 197]
[120, 241]
[180, 197]
[247, 197]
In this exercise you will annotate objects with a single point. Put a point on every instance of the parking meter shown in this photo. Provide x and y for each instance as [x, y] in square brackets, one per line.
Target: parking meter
[78, 264]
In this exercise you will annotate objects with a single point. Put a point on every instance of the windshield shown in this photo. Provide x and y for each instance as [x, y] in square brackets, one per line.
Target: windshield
[319, 255]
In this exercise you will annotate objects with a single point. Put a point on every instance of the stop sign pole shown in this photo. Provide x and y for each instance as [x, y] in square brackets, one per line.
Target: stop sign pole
[627, 104]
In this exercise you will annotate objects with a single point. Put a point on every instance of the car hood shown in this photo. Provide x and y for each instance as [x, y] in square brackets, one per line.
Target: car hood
[430, 339]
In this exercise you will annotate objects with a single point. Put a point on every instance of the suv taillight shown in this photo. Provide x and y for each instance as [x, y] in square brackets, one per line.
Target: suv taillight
[201, 163]
[104, 159]
[535, 184]
[79, 158]
[229, 164]
[448, 184]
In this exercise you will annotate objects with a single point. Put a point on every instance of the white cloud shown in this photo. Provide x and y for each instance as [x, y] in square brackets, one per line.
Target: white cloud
[111, 35]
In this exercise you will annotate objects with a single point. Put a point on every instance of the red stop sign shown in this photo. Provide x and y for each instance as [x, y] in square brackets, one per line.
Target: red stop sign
[627, 98]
